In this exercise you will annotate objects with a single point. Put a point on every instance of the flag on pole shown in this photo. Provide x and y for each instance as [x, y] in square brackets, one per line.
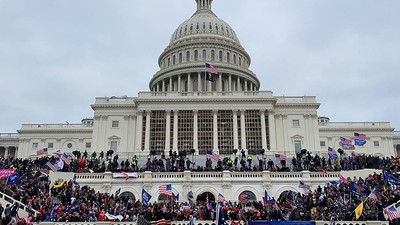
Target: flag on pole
[342, 179]
[220, 216]
[117, 192]
[392, 213]
[373, 196]
[267, 198]
[60, 164]
[221, 198]
[359, 210]
[42, 151]
[52, 166]
[209, 77]
[145, 198]
[211, 69]
[13, 179]
[279, 157]
[58, 152]
[165, 189]
[359, 139]
[390, 178]
[303, 185]
[332, 153]
[190, 195]
[176, 197]
[66, 159]
[212, 155]
[347, 144]
[244, 198]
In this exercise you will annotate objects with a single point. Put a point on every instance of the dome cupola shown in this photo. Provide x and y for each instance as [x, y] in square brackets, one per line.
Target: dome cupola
[204, 38]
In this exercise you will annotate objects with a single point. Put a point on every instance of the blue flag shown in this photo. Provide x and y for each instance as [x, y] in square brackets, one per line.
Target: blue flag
[190, 195]
[268, 199]
[13, 179]
[220, 216]
[390, 178]
[357, 188]
[335, 182]
[53, 211]
[145, 198]
[177, 197]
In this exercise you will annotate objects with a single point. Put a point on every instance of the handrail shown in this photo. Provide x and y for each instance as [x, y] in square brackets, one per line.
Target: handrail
[21, 205]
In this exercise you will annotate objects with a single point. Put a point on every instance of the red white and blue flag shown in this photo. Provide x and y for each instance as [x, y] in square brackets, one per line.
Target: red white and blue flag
[373, 196]
[52, 166]
[58, 152]
[332, 153]
[304, 186]
[212, 155]
[343, 179]
[392, 213]
[347, 144]
[279, 157]
[42, 151]
[359, 139]
[165, 189]
[221, 198]
[244, 198]
[211, 69]
[66, 159]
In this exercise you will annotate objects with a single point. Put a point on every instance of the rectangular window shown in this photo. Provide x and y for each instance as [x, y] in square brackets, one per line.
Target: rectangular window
[322, 143]
[88, 144]
[115, 124]
[34, 145]
[297, 146]
[50, 145]
[113, 146]
[296, 123]
[376, 143]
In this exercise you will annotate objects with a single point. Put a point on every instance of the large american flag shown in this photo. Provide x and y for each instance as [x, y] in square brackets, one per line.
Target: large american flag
[52, 166]
[304, 186]
[279, 157]
[244, 198]
[66, 159]
[343, 179]
[358, 136]
[165, 189]
[41, 151]
[211, 69]
[392, 213]
[221, 198]
[212, 155]
[373, 196]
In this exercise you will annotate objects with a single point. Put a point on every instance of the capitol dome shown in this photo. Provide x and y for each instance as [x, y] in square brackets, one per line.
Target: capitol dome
[204, 38]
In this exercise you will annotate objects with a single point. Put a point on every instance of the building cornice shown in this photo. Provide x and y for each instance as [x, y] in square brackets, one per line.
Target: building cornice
[55, 131]
[388, 129]
[111, 105]
[272, 100]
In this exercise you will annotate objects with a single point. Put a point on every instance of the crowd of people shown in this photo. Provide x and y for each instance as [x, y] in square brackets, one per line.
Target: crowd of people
[69, 201]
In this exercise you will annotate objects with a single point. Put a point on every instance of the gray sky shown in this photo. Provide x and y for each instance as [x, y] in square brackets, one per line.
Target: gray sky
[57, 56]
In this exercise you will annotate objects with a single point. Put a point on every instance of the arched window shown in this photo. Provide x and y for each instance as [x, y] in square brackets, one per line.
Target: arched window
[204, 54]
[187, 56]
[191, 27]
[196, 55]
[220, 56]
[216, 27]
[169, 61]
[197, 26]
[240, 61]
[173, 60]
[204, 26]
[185, 28]
[210, 26]
[212, 55]
[222, 29]
[234, 59]
[228, 57]
[180, 57]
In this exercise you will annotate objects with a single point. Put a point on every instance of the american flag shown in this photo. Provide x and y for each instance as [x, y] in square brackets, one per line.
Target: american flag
[221, 198]
[342, 179]
[212, 155]
[211, 69]
[276, 207]
[373, 196]
[345, 141]
[303, 185]
[58, 152]
[66, 159]
[358, 136]
[165, 189]
[42, 151]
[244, 198]
[392, 213]
[279, 157]
[52, 166]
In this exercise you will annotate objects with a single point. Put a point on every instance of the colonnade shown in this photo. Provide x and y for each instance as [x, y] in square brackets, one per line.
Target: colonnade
[190, 83]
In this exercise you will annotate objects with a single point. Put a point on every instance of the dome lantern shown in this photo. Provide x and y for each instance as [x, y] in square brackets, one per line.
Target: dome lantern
[204, 4]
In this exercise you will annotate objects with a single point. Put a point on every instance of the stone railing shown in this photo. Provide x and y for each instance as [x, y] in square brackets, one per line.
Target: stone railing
[205, 222]
[22, 206]
[396, 133]
[356, 124]
[55, 126]
[9, 135]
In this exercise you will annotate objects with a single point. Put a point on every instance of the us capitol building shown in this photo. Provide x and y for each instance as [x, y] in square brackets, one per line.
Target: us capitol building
[185, 111]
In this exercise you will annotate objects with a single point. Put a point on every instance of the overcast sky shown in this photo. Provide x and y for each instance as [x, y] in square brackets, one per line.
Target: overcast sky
[57, 56]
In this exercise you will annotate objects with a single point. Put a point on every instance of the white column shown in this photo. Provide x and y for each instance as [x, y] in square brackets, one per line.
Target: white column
[163, 86]
[239, 86]
[158, 87]
[199, 82]
[263, 130]
[272, 131]
[245, 85]
[243, 129]
[190, 85]
[179, 83]
[147, 137]
[215, 123]
[168, 131]
[251, 87]
[235, 130]
[230, 83]
[285, 132]
[139, 127]
[170, 84]
[220, 82]
[175, 140]
[195, 131]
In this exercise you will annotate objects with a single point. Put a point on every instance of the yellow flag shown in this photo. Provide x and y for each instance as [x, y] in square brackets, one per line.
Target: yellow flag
[359, 210]
[59, 185]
